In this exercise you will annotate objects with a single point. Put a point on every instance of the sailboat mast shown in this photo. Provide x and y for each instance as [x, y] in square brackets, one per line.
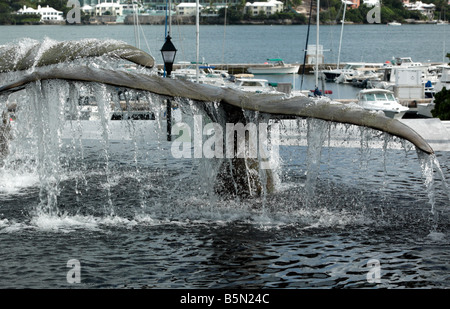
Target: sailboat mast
[443, 42]
[170, 17]
[136, 24]
[317, 44]
[165, 25]
[342, 31]
[306, 45]
[224, 32]
[197, 35]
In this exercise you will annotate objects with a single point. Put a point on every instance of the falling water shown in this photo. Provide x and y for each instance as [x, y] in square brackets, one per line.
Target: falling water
[430, 167]
[49, 108]
[46, 107]
[316, 134]
[84, 181]
[104, 106]
[89, 179]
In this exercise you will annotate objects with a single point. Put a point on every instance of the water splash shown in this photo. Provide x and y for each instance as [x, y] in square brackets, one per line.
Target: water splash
[104, 110]
[317, 132]
[49, 107]
[430, 166]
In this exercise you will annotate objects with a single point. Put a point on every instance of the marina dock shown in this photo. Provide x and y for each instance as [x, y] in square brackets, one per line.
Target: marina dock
[240, 68]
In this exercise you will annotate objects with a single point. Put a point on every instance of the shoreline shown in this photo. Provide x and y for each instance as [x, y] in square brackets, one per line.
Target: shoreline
[189, 20]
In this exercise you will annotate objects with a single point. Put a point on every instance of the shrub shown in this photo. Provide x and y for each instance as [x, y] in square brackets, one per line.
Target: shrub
[442, 104]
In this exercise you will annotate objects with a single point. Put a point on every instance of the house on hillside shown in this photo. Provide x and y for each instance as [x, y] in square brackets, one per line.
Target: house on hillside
[371, 3]
[113, 8]
[426, 9]
[48, 14]
[354, 4]
[269, 8]
[187, 9]
[88, 10]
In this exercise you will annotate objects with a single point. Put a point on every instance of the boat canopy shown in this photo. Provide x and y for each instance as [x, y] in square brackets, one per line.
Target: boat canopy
[378, 96]
[274, 59]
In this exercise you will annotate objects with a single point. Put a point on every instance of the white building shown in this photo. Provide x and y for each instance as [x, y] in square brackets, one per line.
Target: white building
[269, 8]
[87, 9]
[185, 8]
[371, 3]
[109, 7]
[48, 14]
[426, 9]
[26, 10]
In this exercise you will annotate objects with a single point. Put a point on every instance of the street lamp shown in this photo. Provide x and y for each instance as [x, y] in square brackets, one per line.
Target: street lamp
[168, 52]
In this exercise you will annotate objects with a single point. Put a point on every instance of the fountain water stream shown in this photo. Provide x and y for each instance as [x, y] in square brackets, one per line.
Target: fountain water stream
[54, 134]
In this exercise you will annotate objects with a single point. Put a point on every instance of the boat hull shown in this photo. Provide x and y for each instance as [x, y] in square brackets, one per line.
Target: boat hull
[273, 70]
[394, 114]
[331, 76]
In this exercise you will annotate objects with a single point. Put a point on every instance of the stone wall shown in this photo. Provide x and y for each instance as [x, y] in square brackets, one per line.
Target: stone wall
[160, 20]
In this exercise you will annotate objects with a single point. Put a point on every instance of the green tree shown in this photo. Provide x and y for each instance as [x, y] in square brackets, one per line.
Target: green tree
[234, 14]
[387, 15]
[261, 15]
[59, 5]
[4, 8]
[355, 15]
[16, 5]
[393, 4]
[442, 104]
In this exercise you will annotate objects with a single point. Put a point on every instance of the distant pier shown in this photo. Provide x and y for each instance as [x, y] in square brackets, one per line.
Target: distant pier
[240, 68]
[243, 68]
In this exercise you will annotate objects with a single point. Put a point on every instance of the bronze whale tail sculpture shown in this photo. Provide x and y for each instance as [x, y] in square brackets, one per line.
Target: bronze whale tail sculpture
[51, 60]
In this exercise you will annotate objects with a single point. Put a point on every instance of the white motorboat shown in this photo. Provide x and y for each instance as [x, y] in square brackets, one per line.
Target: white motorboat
[254, 85]
[381, 100]
[394, 23]
[350, 71]
[364, 79]
[405, 62]
[332, 74]
[424, 109]
[206, 74]
[444, 79]
[441, 79]
[429, 75]
[274, 66]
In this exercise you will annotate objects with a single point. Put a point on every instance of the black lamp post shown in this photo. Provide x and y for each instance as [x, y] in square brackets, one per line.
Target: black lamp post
[168, 52]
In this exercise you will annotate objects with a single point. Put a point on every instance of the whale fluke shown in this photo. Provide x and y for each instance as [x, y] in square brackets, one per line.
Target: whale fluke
[19, 57]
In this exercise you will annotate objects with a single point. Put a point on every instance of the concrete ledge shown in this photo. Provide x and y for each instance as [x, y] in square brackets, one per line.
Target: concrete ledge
[433, 130]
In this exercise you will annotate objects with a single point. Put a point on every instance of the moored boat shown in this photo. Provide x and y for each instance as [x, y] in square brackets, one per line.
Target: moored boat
[274, 66]
[350, 71]
[254, 85]
[381, 100]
